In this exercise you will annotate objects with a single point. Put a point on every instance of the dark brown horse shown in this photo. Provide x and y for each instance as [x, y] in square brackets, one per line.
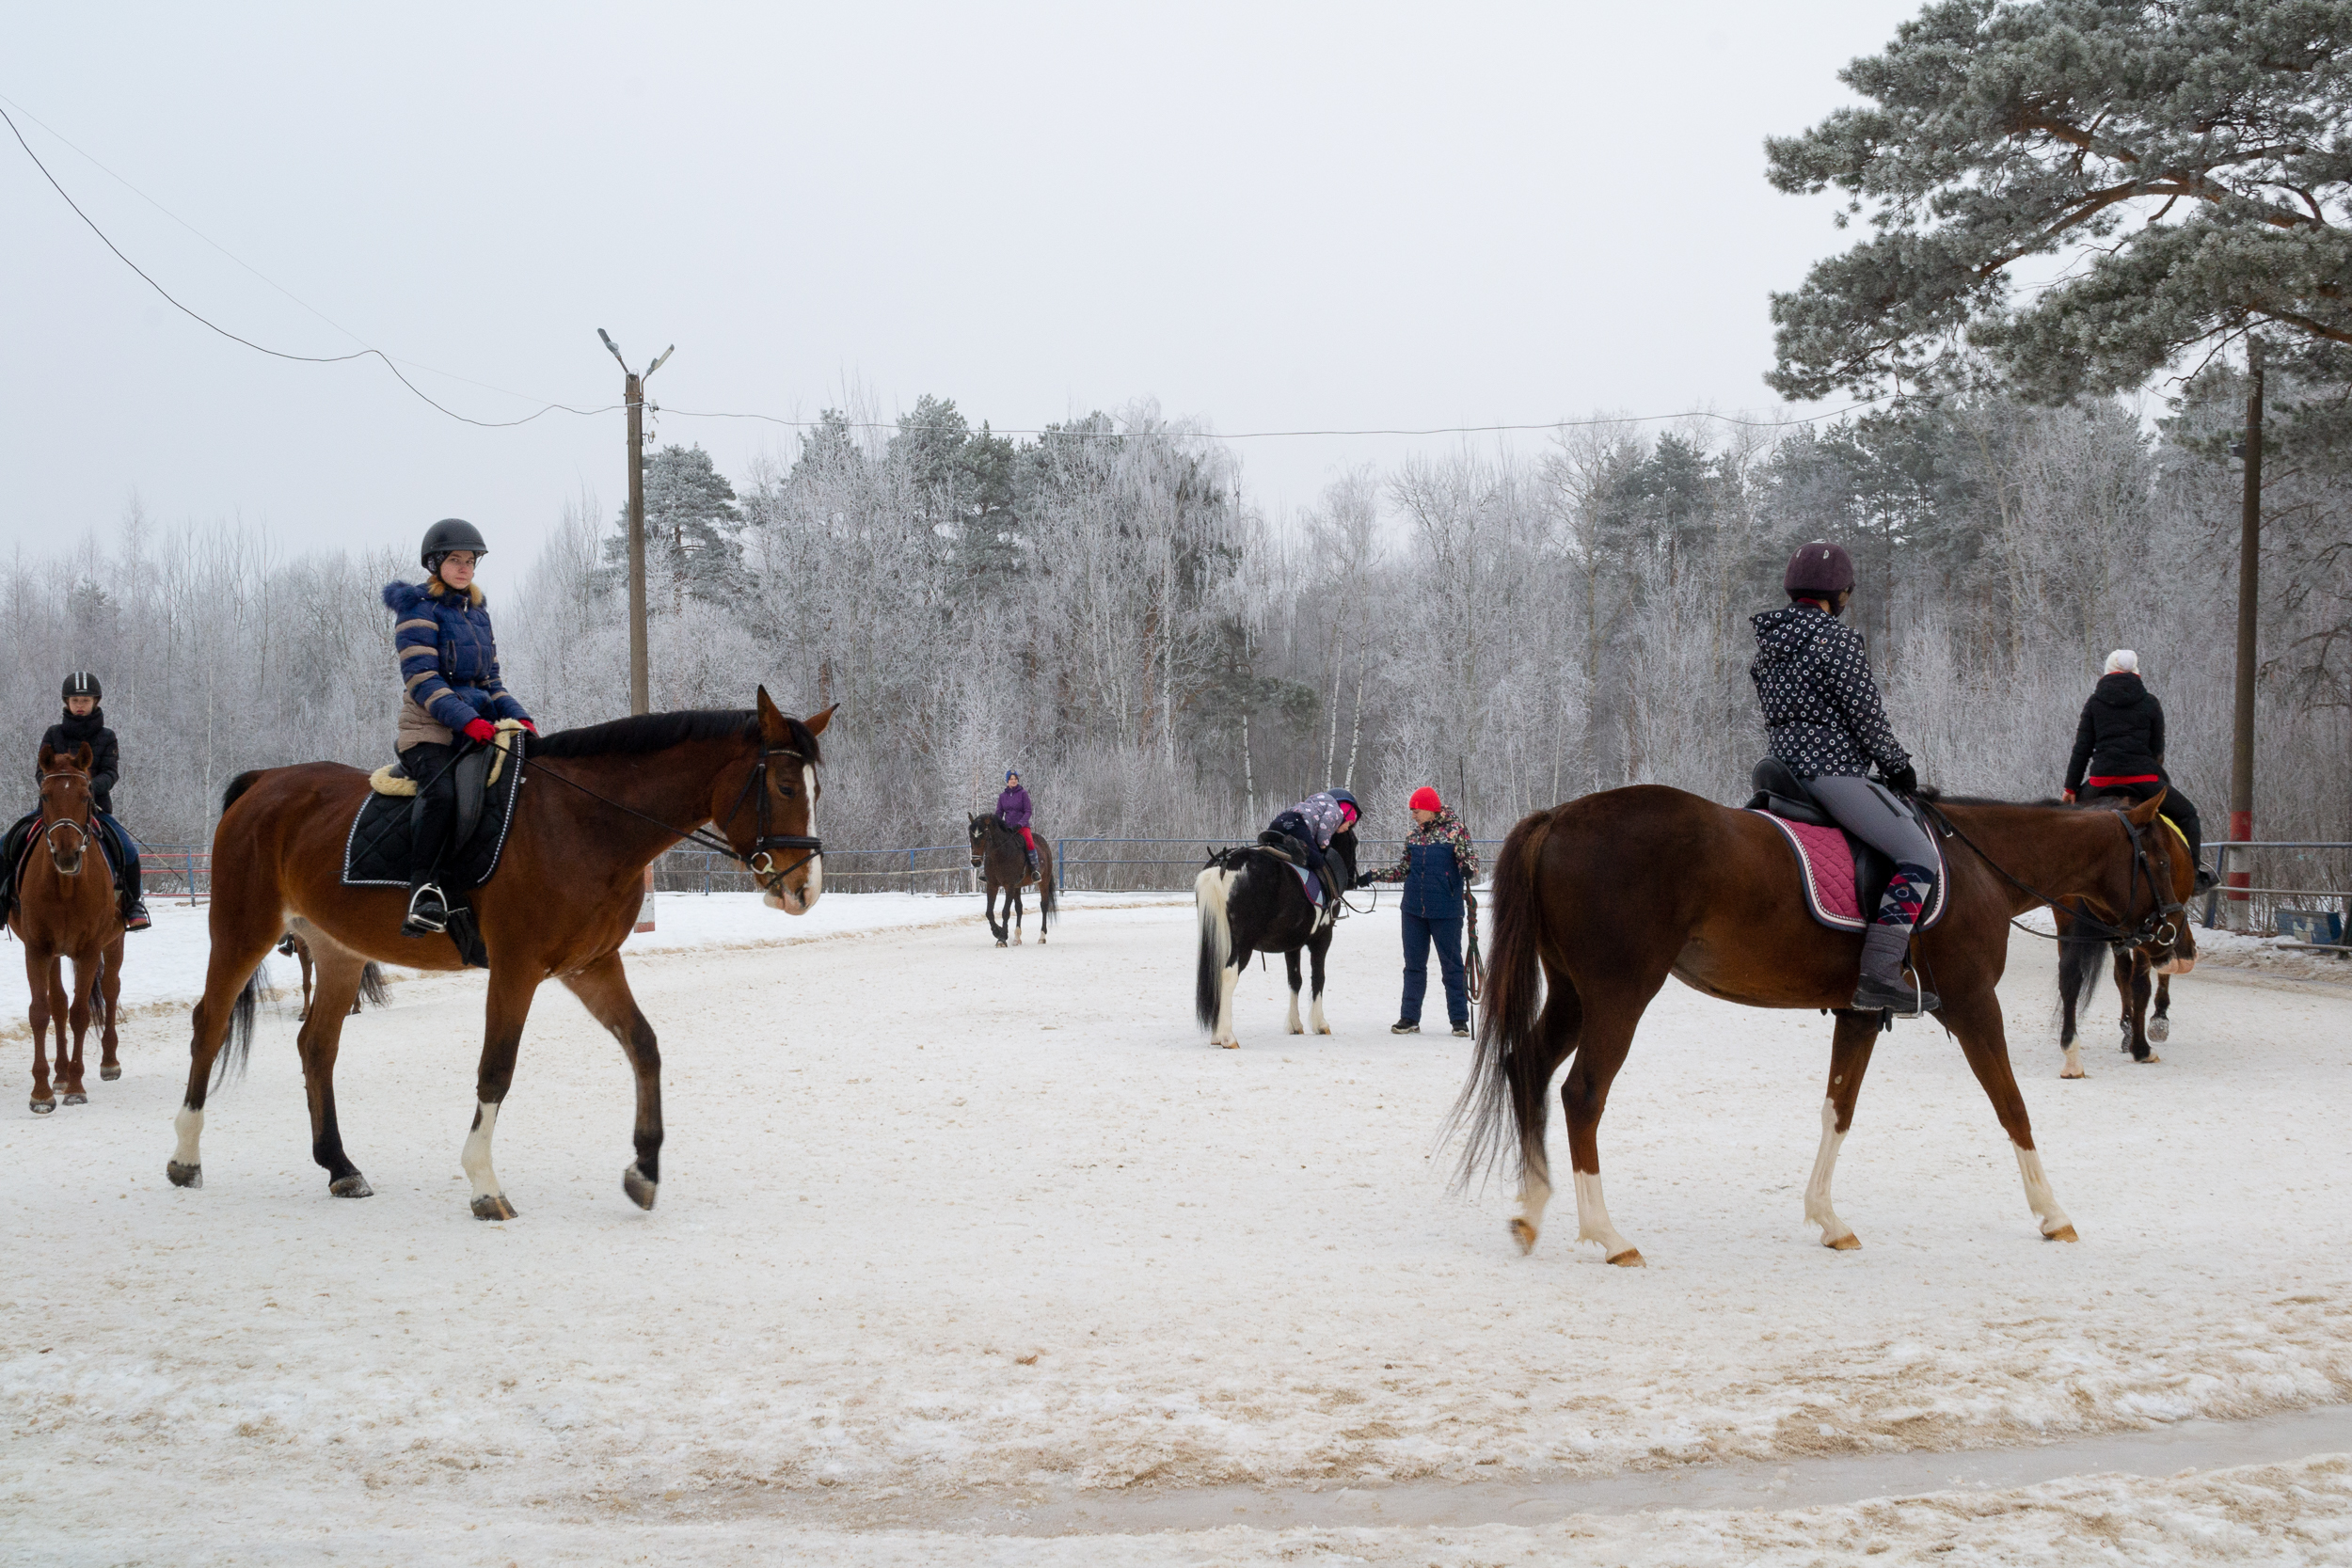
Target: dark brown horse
[2138, 978]
[596, 807]
[66, 911]
[999, 855]
[1602, 898]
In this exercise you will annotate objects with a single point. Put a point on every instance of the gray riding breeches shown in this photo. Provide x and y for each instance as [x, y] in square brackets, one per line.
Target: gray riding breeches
[1875, 814]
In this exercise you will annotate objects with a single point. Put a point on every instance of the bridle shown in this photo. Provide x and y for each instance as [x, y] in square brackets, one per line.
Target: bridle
[762, 858]
[2157, 929]
[82, 828]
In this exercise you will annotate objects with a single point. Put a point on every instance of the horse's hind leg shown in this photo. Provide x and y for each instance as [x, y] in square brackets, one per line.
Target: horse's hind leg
[502, 1038]
[2133, 980]
[1607, 1036]
[1016, 915]
[1557, 1029]
[2073, 958]
[995, 928]
[2160, 1026]
[1290, 967]
[240, 943]
[1848, 1059]
[109, 1004]
[1318, 948]
[1976, 1021]
[603, 989]
[37, 1016]
[321, 1039]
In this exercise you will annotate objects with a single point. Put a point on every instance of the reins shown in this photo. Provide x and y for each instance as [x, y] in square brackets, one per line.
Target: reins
[761, 862]
[81, 828]
[2157, 927]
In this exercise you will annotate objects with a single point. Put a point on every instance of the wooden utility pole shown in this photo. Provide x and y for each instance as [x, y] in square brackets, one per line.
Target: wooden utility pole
[633, 395]
[2248, 593]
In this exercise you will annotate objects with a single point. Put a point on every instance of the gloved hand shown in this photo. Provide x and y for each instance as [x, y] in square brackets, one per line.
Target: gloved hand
[481, 730]
[2068, 795]
[1904, 780]
[529, 725]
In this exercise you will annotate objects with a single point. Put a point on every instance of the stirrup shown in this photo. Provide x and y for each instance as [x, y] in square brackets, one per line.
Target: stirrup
[135, 918]
[1912, 1000]
[421, 921]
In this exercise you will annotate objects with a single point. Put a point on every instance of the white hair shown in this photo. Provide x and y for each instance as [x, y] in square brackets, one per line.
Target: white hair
[2124, 660]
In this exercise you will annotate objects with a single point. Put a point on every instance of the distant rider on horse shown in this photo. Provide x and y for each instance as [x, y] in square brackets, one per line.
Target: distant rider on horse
[1825, 720]
[84, 724]
[448, 673]
[1013, 810]
[1313, 823]
[2118, 751]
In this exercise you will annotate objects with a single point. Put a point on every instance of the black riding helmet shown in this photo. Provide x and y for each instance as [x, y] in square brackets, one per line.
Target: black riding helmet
[450, 533]
[1819, 567]
[82, 684]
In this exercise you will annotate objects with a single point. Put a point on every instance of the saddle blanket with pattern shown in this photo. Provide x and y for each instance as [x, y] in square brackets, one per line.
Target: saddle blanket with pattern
[1828, 870]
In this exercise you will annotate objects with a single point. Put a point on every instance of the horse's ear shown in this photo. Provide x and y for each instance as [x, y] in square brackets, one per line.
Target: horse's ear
[772, 728]
[817, 722]
[2146, 811]
[48, 756]
[84, 756]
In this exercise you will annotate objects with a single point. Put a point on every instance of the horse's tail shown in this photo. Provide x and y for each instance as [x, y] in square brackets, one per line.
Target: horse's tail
[232, 1060]
[238, 785]
[372, 987]
[1503, 1105]
[2080, 966]
[1211, 892]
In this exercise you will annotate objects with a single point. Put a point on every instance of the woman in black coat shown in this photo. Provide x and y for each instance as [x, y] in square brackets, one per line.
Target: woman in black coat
[2119, 747]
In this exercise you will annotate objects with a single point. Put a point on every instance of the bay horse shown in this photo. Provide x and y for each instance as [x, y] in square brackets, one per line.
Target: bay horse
[596, 805]
[371, 978]
[2138, 976]
[1598, 900]
[1249, 900]
[66, 909]
[999, 855]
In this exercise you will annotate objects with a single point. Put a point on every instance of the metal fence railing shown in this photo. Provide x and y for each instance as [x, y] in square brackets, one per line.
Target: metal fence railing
[2325, 866]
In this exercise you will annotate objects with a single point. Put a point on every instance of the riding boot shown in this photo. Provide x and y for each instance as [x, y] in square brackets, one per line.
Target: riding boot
[1883, 987]
[135, 915]
[1032, 866]
[428, 907]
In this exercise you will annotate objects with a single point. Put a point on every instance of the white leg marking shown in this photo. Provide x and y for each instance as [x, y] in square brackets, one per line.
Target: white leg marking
[1295, 1027]
[1315, 1016]
[1535, 1197]
[476, 1158]
[1227, 979]
[2039, 1196]
[2073, 1067]
[1817, 1205]
[189, 1124]
[1592, 1216]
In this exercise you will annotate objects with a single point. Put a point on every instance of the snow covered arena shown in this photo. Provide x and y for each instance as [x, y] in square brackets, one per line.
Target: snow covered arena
[976, 1255]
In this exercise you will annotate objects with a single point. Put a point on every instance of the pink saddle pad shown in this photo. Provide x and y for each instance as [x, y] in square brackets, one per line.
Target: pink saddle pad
[1825, 868]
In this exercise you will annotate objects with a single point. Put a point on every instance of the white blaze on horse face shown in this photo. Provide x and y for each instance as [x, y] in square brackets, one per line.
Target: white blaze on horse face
[1816, 1204]
[814, 887]
[476, 1159]
[189, 1124]
[1592, 1217]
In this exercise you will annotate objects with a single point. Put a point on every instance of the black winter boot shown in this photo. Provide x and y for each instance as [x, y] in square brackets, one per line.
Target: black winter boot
[1883, 987]
[428, 912]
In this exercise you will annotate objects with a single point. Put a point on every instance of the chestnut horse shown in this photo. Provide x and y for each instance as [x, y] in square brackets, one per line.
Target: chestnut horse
[596, 805]
[66, 909]
[1609, 895]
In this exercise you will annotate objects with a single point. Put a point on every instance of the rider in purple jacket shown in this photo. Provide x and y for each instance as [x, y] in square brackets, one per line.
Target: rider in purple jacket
[1013, 810]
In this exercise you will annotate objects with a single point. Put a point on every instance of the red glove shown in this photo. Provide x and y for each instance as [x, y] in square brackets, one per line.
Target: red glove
[481, 730]
[529, 725]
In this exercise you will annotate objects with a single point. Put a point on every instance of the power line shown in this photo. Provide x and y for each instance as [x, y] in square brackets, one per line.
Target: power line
[1273, 435]
[364, 353]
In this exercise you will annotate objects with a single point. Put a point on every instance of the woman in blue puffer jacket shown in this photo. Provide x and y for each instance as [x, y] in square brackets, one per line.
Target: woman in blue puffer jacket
[1438, 867]
[448, 673]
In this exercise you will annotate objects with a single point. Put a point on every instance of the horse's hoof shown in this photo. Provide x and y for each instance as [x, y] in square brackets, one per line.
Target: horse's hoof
[353, 1185]
[2072, 1072]
[1848, 1242]
[1524, 1234]
[77, 1099]
[1002, 942]
[1231, 1045]
[1325, 1030]
[2149, 1060]
[640, 1192]
[493, 1207]
[43, 1107]
[1630, 1259]
[1298, 1029]
[2159, 1029]
[2063, 1233]
[108, 1074]
[184, 1175]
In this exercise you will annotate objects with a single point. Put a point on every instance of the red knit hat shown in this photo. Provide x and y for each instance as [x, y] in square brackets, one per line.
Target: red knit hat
[1424, 799]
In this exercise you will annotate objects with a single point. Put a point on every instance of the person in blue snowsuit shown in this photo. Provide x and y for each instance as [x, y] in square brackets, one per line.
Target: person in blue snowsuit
[1438, 867]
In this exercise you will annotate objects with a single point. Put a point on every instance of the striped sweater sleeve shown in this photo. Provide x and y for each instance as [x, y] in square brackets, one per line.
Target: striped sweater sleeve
[417, 641]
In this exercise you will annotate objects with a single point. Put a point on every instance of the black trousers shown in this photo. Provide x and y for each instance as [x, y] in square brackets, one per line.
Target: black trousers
[429, 763]
[2179, 807]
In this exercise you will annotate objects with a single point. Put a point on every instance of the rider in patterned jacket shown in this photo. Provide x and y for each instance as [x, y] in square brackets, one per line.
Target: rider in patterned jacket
[1825, 720]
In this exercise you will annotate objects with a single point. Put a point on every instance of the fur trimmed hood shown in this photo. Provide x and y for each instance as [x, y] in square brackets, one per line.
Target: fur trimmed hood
[402, 597]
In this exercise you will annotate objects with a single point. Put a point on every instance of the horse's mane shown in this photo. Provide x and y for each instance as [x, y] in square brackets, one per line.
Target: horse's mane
[657, 732]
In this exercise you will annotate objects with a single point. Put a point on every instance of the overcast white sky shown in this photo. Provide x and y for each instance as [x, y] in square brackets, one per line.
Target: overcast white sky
[1264, 216]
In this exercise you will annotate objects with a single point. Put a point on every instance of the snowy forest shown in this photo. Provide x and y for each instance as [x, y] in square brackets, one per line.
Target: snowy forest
[1104, 608]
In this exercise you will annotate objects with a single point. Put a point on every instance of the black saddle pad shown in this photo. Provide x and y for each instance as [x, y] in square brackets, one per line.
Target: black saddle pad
[376, 850]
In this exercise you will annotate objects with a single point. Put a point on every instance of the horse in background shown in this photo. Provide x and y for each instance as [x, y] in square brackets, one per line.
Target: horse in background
[66, 909]
[371, 978]
[1251, 900]
[2138, 978]
[999, 854]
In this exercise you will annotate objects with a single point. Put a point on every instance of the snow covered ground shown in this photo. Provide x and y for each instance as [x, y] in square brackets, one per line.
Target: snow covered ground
[948, 1233]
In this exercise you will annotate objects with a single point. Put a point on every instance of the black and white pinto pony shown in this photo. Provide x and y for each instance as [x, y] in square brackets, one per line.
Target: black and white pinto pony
[999, 855]
[1251, 902]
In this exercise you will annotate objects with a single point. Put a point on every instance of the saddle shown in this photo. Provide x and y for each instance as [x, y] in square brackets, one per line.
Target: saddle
[1292, 853]
[380, 849]
[1816, 837]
